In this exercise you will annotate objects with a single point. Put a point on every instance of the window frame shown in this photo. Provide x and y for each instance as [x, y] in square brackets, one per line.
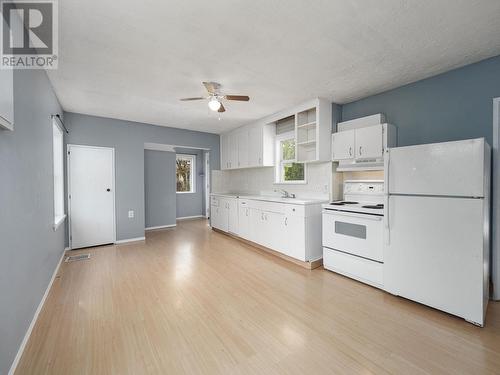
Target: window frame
[192, 174]
[279, 165]
[58, 174]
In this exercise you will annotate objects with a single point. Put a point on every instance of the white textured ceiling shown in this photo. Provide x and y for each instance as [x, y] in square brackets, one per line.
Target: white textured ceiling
[134, 59]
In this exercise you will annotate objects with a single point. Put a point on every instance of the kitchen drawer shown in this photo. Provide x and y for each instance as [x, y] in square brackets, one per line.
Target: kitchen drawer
[361, 269]
[278, 208]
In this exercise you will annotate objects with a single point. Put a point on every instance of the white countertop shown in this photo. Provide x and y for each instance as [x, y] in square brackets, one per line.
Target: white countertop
[272, 198]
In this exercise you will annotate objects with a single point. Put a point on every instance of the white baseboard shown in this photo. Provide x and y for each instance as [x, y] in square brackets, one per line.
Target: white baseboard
[67, 248]
[35, 318]
[161, 227]
[137, 239]
[189, 217]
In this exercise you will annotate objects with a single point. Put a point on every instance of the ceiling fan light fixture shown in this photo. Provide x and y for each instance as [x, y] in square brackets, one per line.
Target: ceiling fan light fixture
[214, 104]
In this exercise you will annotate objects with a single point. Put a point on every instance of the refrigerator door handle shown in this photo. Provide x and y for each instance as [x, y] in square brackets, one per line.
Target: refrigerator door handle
[387, 234]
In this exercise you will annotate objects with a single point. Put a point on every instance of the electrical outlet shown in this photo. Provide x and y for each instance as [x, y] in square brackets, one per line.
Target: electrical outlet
[131, 214]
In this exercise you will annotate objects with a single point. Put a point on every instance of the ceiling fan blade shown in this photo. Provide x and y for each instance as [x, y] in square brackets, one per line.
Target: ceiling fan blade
[222, 109]
[242, 98]
[212, 87]
[187, 99]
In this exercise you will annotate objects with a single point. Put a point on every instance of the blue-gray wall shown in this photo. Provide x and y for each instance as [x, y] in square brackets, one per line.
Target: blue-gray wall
[159, 188]
[192, 204]
[128, 139]
[451, 106]
[29, 247]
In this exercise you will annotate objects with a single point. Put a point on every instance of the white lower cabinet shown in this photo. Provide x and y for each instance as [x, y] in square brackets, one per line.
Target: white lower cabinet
[218, 214]
[244, 219]
[294, 236]
[232, 214]
[291, 229]
[224, 214]
[272, 230]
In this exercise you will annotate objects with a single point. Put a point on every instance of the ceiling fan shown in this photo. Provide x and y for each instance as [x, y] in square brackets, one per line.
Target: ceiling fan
[215, 97]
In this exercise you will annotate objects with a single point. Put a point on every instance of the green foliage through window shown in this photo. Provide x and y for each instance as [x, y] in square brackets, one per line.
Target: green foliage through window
[183, 173]
[288, 149]
[293, 172]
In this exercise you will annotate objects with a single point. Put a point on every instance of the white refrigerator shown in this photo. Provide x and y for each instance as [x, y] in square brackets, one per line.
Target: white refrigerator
[437, 226]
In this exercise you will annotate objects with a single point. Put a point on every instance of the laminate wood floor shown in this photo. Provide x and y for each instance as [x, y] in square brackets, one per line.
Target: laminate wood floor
[192, 301]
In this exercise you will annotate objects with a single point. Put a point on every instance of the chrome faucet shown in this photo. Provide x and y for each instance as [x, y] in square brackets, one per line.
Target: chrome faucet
[286, 194]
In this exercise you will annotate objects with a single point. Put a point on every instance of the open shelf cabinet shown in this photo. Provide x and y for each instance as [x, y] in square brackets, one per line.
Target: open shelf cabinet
[313, 126]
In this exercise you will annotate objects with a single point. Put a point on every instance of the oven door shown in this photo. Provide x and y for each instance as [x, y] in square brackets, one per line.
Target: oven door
[354, 233]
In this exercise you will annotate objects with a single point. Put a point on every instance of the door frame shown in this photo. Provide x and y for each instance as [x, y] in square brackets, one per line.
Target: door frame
[207, 184]
[68, 183]
[495, 229]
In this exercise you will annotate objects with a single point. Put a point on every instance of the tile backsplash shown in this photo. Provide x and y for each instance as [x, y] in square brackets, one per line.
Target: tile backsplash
[261, 181]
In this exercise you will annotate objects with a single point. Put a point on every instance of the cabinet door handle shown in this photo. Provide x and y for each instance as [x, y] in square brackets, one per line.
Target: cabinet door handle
[350, 151]
[260, 160]
[360, 150]
[286, 221]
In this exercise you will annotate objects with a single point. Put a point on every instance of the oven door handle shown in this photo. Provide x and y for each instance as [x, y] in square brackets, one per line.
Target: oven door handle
[354, 215]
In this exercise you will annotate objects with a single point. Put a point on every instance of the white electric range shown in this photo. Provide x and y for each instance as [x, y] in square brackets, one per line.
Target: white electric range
[353, 232]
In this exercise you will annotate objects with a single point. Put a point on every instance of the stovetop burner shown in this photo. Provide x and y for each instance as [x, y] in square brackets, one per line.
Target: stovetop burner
[374, 206]
[342, 203]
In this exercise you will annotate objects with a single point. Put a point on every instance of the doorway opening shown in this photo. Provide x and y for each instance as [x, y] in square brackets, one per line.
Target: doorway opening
[176, 184]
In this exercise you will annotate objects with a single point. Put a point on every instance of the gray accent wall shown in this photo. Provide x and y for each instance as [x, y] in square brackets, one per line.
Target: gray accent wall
[159, 188]
[451, 106]
[192, 204]
[128, 139]
[29, 247]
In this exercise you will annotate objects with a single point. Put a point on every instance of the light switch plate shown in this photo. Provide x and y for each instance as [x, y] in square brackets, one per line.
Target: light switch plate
[131, 214]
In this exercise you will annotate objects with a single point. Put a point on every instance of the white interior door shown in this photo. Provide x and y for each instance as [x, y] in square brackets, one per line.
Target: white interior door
[207, 184]
[91, 195]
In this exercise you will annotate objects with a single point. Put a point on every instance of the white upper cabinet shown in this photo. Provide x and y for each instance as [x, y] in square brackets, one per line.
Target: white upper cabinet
[6, 99]
[248, 147]
[362, 147]
[369, 142]
[233, 150]
[343, 145]
[243, 149]
[255, 144]
[224, 150]
[313, 127]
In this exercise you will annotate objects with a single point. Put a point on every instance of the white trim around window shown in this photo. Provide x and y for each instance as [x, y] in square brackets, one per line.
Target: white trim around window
[58, 174]
[192, 174]
[279, 178]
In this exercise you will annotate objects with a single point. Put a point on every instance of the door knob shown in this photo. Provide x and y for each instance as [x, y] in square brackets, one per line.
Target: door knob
[108, 189]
